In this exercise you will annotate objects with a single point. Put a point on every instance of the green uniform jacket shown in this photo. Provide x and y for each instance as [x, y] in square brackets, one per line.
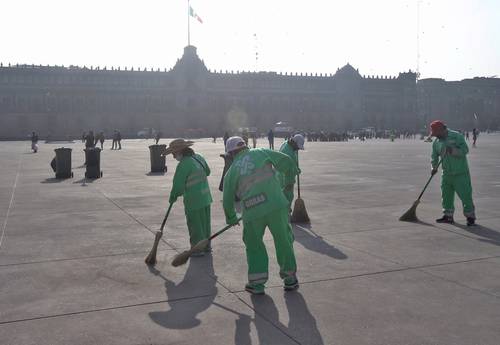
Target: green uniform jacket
[190, 181]
[288, 179]
[454, 163]
[252, 177]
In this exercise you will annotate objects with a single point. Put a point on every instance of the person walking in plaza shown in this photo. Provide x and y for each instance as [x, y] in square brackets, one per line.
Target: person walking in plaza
[254, 139]
[252, 179]
[113, 145]
[451, 148]
[119, 139]
[270, 138]
[190, 182]
[475, 133]
[225, 137]
[34, 142]
[291, 148]
[90, 140]
[101, 139]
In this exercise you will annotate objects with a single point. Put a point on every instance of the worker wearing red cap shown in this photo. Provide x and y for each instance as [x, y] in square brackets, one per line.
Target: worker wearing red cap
[450, 146]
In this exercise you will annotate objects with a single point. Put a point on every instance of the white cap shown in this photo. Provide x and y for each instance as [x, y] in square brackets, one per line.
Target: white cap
[234, 143]
[299, 140]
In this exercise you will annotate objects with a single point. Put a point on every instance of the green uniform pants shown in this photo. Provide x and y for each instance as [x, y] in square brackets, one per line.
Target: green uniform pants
[257, 259]
[462, 186]
[198, 222]
[288, 191]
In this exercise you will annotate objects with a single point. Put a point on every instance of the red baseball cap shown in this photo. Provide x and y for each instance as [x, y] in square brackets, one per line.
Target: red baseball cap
[436, 126]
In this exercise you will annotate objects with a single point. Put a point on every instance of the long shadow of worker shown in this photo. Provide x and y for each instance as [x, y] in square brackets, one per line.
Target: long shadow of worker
[300, 320]
[183, 314]
[312, 241]
[242, 334]
[489, 235]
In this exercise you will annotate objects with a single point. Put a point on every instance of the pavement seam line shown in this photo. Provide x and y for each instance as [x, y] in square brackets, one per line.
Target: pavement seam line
[131, 216]
[459, 284]
[104, 309]
[234, 293]
[4, 227]
[269, 321]
[78, 258]
[407, 268]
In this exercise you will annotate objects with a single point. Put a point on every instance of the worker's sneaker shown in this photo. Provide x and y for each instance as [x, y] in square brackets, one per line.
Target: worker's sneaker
[445, 219]
[291, 285]
[255, 289]
[471, 221]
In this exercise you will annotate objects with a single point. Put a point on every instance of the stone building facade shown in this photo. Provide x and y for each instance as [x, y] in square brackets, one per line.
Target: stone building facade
[190, 100]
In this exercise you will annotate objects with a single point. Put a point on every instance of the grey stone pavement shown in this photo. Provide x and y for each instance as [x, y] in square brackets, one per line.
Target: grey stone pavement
[72, 254]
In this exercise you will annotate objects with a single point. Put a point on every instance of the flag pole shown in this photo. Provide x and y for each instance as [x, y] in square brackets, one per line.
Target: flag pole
[189, 29]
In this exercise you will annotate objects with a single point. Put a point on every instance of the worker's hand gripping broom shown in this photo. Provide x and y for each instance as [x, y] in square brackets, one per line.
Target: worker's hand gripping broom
[151, 258]
[411, 214]
[182, 258]
[299, 214]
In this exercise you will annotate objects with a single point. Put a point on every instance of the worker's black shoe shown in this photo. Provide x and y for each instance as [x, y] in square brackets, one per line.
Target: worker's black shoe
[290, 286]
[445, 219]
[255, 289]
[471, 221]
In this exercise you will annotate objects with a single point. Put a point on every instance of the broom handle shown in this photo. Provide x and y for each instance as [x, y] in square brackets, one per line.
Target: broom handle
[223, 229]
[429, 181]
[298, 180]
[165, 219]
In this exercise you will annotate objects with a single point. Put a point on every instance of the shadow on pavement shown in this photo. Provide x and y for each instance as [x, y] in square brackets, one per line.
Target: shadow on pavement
[183, 314]
[84, 181]
[489, 235]
[54, 180]
[156, 173]
[312, 241]
[301, 321]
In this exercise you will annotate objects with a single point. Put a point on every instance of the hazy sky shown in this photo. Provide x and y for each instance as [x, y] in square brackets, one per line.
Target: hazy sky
[458, 38]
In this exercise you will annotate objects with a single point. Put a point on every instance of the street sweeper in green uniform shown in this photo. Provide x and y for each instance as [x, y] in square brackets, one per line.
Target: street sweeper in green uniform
[252, 178]
[450, 146]
[291, 148]
[190, 182]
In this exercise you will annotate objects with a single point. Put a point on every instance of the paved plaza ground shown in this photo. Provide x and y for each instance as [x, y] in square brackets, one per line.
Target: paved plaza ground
[72, 254]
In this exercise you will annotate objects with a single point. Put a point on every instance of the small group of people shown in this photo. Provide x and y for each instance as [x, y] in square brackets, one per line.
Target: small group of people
[262, 181]
[117, 140]
[90, 139]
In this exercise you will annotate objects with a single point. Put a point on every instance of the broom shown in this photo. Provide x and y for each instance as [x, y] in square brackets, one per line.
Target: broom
[299, 214]
[151, 258]
[182, 258]
[411, 214]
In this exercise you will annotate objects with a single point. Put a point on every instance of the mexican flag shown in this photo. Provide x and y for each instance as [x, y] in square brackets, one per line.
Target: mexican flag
[194, 15]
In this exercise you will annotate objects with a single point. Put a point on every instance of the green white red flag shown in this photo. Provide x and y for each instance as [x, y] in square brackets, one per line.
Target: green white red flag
[193, 14]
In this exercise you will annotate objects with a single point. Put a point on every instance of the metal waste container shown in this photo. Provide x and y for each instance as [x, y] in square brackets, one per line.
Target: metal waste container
[63, 162]
[157, 158]
[93, 159]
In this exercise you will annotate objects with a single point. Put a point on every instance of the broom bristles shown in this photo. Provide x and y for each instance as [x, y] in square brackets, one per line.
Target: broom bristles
[151, 258]
[182, 258]
[411, 214]
[299, 214]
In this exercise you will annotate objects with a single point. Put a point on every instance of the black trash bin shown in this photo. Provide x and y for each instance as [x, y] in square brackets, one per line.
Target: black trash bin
[157, 158]
[93, 159]
[63, 162]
